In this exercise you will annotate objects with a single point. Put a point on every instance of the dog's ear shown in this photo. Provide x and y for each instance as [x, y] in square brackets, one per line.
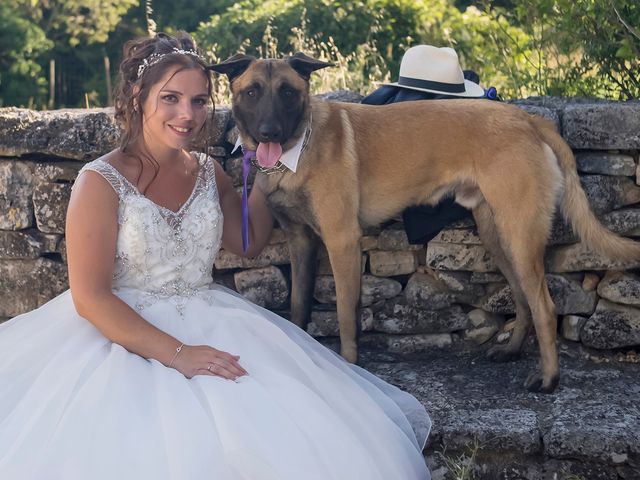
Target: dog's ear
[305, 65]
[234, 66]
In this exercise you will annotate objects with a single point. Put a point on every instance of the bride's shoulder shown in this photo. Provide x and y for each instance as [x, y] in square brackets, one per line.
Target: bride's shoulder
[99, 177]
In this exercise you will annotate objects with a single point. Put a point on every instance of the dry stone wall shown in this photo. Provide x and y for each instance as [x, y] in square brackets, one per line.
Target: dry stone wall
[413, 297]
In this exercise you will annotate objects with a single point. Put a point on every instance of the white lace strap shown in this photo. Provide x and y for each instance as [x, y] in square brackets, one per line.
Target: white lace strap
[119, 184]
[208, 169]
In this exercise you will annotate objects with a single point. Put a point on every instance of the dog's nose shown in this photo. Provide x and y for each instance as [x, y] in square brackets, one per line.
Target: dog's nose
[270, 133]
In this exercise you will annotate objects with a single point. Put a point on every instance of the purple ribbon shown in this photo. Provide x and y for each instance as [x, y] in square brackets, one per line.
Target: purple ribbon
[246, 165]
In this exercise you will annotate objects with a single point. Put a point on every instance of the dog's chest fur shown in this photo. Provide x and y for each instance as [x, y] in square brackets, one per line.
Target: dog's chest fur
[288, 200]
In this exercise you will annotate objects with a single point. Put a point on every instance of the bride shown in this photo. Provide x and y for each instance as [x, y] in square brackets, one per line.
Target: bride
[147, 370]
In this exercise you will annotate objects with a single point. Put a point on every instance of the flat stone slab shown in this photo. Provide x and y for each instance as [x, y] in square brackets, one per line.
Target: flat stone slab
[589, 427]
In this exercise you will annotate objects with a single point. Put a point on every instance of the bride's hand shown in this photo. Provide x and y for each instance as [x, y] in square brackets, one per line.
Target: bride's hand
[205, 360]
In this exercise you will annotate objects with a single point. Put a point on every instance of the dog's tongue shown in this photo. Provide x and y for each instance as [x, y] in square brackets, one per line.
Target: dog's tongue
[268, 154]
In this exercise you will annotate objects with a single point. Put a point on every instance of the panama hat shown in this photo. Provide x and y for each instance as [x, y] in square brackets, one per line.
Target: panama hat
[431, 69]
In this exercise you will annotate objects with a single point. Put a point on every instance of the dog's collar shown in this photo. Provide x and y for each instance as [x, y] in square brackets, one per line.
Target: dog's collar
[289, 159]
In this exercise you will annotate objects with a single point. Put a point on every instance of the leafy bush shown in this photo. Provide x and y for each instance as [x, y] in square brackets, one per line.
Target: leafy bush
[366, 39]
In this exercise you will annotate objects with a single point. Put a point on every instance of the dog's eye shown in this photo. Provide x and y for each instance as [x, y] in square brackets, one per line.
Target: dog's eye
[251, 93]
[288, 93]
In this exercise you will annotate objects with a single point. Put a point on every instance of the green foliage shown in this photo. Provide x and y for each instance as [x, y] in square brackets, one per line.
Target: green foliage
[185, 14]
[577, 47]
[34, 32]
[522, 47]
[348, 24]
[366, 39]
[22, 43]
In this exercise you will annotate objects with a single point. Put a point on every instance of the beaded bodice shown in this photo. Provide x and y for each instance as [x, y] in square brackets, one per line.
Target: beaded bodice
[161, 252]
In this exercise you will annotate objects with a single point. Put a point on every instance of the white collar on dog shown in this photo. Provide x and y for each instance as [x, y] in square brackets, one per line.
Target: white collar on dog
[289, 158]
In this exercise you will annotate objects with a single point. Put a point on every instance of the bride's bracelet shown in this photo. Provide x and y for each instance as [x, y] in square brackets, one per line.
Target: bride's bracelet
[175, 355]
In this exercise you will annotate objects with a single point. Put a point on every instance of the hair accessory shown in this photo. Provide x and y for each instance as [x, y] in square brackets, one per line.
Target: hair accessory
[154, 58]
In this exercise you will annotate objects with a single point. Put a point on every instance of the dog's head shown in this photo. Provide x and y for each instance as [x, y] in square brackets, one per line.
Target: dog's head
[270, 97]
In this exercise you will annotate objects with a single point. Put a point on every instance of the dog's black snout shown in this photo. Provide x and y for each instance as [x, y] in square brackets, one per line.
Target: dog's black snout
[270, 132]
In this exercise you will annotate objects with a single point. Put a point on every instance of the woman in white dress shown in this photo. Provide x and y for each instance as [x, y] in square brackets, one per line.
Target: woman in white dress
[147, 370]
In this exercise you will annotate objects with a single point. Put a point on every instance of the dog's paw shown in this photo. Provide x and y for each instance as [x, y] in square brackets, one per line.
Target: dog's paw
[350, 354]
[502, 353]
[536, 383]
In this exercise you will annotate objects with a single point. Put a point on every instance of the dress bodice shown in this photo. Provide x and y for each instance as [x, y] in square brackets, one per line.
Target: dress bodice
[159, 251]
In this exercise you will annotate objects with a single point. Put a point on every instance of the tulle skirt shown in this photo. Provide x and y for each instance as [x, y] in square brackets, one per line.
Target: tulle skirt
[74, 405]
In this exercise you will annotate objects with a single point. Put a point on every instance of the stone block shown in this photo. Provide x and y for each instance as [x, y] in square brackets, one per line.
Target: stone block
[277, 254]
[372, 289]
[612, 326]
[426, 291]
[79, 134]
[26, 244]
[16, 189]
[541, 111]
[449, 256]
[383, 263]
[620, 287]
[50, 202]
[56, 172]
[481, 318]
[607, 193]
[407, 344]
[480, 335]
[217, 127]
[495, 429]
[217, 152]
[266, 287]
[571, 326]
[395, 239]
[590, 282]
[606, 163]
[27, 284]
[602, 126]
[397, 316]
[567, 295]
[488, 277]
[577, 258]
[368, 242]
[625, 221]
[464, 236]
[324, 323]
[460, 283]
[232, 135]
[600, 429]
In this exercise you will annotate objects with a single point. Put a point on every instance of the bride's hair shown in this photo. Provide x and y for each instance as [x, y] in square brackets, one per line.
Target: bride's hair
[145, 61]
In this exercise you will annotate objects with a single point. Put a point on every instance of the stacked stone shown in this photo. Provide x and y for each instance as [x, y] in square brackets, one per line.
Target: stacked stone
[413, 297]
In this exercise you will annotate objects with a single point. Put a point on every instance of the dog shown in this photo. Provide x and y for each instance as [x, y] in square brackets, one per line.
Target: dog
[362, 165]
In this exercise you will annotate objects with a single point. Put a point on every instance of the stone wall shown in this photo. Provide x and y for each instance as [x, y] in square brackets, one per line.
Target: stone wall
[413, 297]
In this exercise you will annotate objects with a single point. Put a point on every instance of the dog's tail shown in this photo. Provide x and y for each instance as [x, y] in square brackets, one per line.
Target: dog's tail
[576, 207]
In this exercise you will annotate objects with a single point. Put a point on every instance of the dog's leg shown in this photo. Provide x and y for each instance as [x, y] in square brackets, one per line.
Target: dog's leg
[525, 246]
[303, 249]
[343, 246]
[490, 239]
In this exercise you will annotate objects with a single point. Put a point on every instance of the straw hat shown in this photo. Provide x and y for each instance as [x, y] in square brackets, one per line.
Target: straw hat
[431, 69]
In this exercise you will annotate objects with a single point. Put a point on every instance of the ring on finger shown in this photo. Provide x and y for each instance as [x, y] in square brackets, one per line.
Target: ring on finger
[211, 367]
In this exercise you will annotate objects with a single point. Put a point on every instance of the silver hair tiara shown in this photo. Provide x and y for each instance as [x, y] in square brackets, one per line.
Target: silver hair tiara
[154, 58]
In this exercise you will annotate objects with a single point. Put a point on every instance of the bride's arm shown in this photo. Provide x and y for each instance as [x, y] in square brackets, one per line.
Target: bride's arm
[260, 218]
[91, 233]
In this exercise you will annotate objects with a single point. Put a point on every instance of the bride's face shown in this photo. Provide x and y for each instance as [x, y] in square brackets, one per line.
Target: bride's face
[176, 108]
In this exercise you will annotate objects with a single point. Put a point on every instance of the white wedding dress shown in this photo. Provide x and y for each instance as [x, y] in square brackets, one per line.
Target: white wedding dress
[75, 406]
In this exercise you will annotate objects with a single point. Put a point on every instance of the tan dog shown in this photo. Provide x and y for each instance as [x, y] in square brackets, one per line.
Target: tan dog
[364, 164]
